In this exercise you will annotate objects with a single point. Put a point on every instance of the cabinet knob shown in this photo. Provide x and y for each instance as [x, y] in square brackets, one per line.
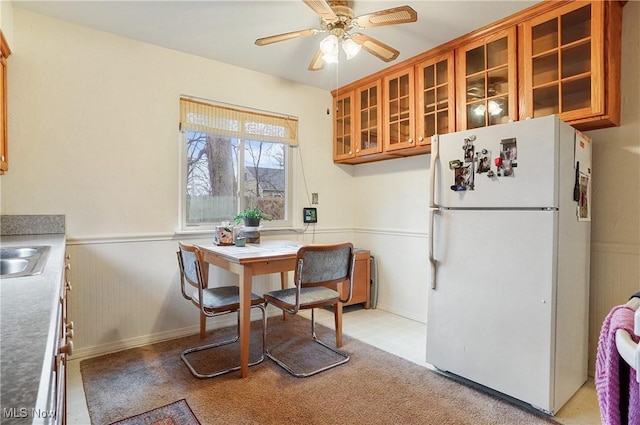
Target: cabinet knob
[66, 349]
[67, 266]
[67, 257]
[357, 150]
[410, 140]
[350, 152]
[69, 325]
[420, 139]
[69, 288]
[2, 158]
[69, 335]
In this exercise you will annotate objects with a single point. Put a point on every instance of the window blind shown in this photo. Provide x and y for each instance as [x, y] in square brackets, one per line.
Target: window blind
[223, 120]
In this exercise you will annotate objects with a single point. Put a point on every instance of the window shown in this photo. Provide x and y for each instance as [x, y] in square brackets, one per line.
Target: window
[234, 159]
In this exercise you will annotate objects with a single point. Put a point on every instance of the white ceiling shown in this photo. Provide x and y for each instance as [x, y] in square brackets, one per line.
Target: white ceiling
[226, 30]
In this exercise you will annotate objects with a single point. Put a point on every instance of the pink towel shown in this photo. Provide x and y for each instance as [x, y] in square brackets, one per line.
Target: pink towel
[613, 375]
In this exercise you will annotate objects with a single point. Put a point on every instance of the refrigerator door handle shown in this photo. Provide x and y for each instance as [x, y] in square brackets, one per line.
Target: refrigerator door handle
[432, 259]
[435, 154]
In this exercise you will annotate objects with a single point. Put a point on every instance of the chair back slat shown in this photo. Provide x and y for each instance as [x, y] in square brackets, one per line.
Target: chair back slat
[187, 259]
[324, 264]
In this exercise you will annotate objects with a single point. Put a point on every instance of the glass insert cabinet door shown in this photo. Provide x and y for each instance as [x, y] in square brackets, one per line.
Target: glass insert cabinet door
[436, 97]
[487, 86]
[560, 70]
[368, 118]
[399, 95]
[342, 126]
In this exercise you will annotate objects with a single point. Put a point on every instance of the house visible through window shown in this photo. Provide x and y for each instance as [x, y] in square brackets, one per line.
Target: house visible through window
[234, 159]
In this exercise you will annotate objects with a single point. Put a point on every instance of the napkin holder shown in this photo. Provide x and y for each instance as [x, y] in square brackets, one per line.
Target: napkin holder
[223, 235]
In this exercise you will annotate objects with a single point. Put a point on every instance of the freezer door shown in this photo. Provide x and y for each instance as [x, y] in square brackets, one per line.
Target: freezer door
[466, 174]
[490, 316]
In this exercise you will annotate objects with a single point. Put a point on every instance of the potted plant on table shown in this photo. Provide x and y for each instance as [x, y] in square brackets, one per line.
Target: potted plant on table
[251, 217]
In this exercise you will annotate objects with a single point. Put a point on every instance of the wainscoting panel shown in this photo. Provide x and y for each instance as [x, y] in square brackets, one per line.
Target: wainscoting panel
[615, 275]
[127, 294]
[403, 267]
[126, 291]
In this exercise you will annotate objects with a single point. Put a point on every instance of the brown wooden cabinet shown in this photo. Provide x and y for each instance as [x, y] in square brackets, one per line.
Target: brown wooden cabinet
[556, 57]
[368, 110]
[4, 140]
[486, 80]
[571, 64]
[399, 108]
[343, 108]
[435, 85]
[361, 292]
[64, 348]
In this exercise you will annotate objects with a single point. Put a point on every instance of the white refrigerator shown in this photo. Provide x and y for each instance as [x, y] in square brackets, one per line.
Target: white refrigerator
[509, 252]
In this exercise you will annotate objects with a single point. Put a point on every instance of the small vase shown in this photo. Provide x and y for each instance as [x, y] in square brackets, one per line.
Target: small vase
[252, 222]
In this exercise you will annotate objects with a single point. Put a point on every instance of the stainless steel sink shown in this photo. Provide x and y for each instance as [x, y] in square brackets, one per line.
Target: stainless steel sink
[23, 261]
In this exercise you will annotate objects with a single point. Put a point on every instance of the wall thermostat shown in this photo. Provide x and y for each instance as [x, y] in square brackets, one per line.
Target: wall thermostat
[310, 215]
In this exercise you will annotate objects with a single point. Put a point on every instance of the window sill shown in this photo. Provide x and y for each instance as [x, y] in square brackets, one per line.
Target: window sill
[263, 230]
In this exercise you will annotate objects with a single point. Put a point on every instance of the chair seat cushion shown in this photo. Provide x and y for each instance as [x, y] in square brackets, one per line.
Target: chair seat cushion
[223, 298]
[309, 295]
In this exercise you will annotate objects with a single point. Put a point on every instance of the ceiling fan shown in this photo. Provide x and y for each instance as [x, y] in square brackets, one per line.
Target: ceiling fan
[337, 18]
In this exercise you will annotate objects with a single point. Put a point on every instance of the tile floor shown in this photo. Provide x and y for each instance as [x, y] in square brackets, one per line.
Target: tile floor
[389, 332]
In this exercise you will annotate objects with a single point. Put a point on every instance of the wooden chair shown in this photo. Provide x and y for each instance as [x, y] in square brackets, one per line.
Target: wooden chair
[320, 272]
[216, 301]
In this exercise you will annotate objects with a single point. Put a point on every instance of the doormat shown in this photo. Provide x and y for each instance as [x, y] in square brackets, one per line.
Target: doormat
[176, 413]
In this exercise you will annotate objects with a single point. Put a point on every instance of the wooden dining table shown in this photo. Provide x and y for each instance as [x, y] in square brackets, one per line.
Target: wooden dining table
[251, 260]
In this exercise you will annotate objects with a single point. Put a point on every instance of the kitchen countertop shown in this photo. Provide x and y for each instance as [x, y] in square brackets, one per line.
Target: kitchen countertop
[28, 308]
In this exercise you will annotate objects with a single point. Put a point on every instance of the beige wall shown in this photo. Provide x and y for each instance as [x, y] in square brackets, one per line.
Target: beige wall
[94, 128]
[616, 154]
[93, 133]
[615, 228]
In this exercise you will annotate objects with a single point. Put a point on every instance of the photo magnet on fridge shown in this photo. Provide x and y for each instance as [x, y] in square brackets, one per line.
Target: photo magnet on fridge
[463, 178]
[484, 161]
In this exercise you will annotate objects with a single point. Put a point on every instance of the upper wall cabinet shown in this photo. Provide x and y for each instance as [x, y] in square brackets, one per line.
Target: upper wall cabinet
[557, 57]
[487, 85]
[4, 140]
[368, 118]
[571, 58]
[399, 124]
[342, 126]
[436, 108]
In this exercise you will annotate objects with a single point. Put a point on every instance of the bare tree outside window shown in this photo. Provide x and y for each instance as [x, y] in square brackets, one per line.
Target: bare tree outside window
[213, 180]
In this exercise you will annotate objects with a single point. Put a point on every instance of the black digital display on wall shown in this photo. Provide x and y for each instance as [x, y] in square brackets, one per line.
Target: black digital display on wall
[310, 215]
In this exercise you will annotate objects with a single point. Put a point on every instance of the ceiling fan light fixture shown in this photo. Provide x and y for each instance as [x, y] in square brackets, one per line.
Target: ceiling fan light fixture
[329, 45]
[329, 48]
[337, 19]
[330, 58]
[350, 47]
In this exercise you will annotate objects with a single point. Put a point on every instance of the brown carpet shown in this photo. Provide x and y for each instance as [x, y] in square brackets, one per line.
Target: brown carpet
[176, 413]
[375, 387]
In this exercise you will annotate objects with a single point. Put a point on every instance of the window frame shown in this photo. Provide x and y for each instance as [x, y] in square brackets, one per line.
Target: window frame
[289, 162]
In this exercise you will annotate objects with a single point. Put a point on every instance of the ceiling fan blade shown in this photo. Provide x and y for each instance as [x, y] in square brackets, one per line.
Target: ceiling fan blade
[286, 36]
[317, 62]
[375, 47]
[322, 9]
[396, 15]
